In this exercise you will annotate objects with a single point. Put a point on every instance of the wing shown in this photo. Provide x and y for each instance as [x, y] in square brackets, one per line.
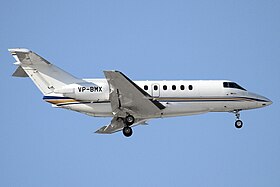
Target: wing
[127, 97]
[116, 125]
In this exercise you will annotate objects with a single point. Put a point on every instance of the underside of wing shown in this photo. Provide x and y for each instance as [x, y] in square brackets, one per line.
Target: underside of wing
[117, 124]
[127, 97]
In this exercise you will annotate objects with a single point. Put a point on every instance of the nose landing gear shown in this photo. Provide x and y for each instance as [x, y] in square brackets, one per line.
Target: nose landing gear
[238, 123]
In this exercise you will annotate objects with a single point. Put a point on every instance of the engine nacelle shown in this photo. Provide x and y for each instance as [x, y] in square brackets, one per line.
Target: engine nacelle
[85, 91]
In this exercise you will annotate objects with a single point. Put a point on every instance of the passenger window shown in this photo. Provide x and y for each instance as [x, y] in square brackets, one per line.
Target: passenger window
[155, 87]
[145, 87]
[190, 87]
[182, 87]
[164, 87]
[173, 87]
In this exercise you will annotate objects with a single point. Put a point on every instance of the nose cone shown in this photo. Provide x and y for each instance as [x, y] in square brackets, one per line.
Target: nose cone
[264, 101]
[268, 102]
[261, 100]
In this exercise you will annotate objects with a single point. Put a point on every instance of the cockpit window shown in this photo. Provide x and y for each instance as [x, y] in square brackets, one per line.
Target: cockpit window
[233, 85]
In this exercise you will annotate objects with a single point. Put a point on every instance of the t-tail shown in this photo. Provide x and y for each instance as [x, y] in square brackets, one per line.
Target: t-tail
[46, 76]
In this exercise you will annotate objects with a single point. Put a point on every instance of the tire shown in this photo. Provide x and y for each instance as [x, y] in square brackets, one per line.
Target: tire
[129, 120]
[238, 124]
[127, 131]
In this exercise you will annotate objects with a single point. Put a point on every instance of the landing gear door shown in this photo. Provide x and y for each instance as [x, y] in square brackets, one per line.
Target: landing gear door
[155, 90]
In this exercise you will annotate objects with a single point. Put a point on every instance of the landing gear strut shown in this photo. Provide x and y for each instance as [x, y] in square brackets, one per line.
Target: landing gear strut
[127, 130]
[238, 123]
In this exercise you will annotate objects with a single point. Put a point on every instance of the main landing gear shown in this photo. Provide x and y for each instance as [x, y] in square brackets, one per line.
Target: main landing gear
[238, 123]
[127, 130]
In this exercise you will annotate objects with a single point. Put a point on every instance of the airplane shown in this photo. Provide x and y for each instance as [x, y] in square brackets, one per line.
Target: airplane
[132, 103]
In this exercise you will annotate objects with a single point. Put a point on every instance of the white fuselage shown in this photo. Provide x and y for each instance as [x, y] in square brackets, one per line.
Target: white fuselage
[180, 98]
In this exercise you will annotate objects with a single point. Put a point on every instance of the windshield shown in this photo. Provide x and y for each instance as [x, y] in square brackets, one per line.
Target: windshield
[233, 85]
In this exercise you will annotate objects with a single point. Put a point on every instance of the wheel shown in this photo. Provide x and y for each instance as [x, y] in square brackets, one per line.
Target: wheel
[238, 124]
[127, 131]
[129, 120]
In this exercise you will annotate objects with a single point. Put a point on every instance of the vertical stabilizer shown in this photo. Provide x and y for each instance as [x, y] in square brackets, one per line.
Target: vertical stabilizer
[45, 75]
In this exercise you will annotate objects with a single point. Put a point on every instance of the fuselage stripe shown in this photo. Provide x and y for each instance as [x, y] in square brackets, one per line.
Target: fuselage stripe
[176, 99]
[62, 101]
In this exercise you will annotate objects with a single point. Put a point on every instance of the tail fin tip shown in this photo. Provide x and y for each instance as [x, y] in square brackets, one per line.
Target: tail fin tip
[23, 50]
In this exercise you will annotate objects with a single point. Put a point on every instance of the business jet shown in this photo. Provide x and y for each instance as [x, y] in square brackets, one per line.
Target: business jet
[132, 103]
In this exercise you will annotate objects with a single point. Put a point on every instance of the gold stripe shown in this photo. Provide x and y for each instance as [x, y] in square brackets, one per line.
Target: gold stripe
[60, 101]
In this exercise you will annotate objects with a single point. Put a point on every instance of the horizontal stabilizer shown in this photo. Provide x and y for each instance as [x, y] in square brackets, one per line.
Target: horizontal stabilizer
[19, 72]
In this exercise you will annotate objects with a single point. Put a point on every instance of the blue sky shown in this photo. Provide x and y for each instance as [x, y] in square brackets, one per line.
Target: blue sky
[235, 40]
